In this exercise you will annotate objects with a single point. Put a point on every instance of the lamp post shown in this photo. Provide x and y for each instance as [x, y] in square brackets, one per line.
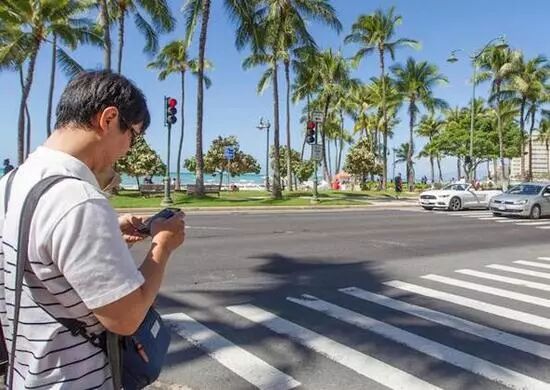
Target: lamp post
[265, 125]
[475, 57]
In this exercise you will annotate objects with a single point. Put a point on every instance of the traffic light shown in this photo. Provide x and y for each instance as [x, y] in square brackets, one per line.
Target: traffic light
[310, 132]
[170, 111]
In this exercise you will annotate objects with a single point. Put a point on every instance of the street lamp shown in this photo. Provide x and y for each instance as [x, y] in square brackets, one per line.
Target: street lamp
[475, 57]
[265, 125]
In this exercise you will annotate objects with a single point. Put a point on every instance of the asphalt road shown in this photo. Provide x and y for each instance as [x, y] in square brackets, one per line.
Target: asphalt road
[256, 301]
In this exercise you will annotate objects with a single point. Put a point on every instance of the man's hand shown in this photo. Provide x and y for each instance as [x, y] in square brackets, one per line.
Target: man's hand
[129, 225]
[169, 233]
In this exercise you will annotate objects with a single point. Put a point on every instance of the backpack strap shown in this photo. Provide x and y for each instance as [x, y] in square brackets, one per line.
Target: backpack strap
[8, 190]
[25, 219]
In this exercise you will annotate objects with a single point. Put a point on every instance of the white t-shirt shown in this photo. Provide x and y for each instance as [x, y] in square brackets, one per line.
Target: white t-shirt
[79, 261]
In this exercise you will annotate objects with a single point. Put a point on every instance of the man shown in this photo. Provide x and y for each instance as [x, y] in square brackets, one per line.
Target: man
[398, 185]
[81, 265]
[7, 166]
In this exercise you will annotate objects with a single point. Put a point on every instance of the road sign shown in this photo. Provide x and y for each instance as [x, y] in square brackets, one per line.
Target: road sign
[316, 152]
[317, 116]
[229, 153]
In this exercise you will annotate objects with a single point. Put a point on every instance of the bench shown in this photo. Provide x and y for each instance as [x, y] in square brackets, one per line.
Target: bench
[208, 189]
[146, 189]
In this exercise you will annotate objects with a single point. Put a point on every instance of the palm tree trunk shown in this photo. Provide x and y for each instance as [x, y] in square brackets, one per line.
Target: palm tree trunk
[329, 160]
[288, 155]
[522, 137]
[488, 169]
[500, 135]
[533, 113]
[200, 100]
[182, 133]
[28, 131]
[341, 149]
[384, 117]
[120, 38]
[548, 159]
[410, 171]
[23, 103]
[432, 169]
[276, 188]
[439, 169]
[323, 139]
[495, 169]
[458, 168]
[52, 86]
[106, 34]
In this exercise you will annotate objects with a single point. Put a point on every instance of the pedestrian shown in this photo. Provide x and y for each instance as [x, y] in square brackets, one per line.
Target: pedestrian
[79, 265]
[7, 166]
[398, 185]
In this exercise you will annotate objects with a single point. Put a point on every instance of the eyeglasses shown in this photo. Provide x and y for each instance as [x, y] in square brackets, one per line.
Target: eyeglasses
[133, 132]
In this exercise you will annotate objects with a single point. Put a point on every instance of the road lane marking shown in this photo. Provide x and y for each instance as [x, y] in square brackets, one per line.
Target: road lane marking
[489, 290]
[543, 227]
[543, 258]
[461, 324]
[507, 221]
[534, 223]
[505, 279]
[533, 264]
[522, 271]
[490, 218]
[361, 363]
[500, 311]
[472, 215]
[241, 362]
[429, 347]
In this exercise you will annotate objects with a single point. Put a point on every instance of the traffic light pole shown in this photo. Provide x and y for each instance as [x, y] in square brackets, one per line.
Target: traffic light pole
[167, 201]
[315, 198]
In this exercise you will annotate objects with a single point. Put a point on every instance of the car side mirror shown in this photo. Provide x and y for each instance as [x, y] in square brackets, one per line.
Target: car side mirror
[546, 194]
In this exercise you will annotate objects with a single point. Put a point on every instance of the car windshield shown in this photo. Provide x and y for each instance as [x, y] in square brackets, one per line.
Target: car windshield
[455, 187]
[525, 189]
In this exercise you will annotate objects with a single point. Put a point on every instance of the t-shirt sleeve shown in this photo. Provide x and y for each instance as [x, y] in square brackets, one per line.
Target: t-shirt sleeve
[88, 248]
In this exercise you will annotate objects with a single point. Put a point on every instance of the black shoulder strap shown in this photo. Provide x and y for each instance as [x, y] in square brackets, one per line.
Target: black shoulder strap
[7, 193]
[25, 219]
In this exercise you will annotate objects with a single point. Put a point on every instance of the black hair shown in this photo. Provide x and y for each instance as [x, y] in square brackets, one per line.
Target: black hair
[90, 92]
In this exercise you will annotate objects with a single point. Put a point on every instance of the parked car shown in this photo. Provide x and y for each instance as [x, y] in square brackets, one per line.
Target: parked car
[457, 196]
[530, 200]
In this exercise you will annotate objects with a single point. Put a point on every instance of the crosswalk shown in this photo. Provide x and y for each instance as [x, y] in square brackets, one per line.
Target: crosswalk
[520, 289]
[485, 215]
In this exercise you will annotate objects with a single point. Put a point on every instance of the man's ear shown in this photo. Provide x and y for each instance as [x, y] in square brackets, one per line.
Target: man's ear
[108, 118]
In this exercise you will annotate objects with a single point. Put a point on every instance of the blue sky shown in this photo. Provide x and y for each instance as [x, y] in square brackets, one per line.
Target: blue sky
[232, 106]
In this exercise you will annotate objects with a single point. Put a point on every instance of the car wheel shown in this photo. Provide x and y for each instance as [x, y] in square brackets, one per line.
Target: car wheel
[427, 208]
[535, 212]
[455, 204]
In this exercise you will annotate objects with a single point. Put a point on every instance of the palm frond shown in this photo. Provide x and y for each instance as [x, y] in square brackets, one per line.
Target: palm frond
[151, 39]
[68, 65]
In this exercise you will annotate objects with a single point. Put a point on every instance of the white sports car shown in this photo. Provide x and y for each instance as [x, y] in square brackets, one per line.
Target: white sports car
[456, 197]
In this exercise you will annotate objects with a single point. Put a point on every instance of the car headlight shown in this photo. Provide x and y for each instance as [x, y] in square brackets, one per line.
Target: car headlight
[524, 201]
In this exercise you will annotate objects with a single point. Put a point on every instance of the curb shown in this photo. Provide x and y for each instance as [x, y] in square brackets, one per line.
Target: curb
[274, 209]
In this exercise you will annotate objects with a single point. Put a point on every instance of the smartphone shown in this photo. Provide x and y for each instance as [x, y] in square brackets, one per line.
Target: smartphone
[164, 213]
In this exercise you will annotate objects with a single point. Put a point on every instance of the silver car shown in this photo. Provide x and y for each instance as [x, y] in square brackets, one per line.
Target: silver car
[524, 200]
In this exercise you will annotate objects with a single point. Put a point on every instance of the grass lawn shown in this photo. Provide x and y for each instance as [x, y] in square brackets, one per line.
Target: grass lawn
[133, 199]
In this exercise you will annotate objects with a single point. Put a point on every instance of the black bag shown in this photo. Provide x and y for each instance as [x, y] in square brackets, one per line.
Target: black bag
[136, 361]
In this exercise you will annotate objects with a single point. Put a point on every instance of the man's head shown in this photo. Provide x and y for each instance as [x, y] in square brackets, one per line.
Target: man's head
[107, 105]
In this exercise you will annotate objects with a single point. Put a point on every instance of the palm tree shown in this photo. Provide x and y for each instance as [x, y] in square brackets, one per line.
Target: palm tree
[429, 127]
[174, 59]
[68, 31]
[36, 23]
[416, 82]
[544, 137]
[157, 10]
[497, 64]
[402, 155]
[105, 25]
[375, 33]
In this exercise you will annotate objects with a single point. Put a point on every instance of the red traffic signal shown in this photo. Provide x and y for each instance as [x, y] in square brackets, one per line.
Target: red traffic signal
[310, 132]
[170, 111]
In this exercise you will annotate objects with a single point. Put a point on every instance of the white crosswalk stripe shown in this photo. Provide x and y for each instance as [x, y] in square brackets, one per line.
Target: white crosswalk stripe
[505, 279]
[507, 221]
[532, 264]
[359, 362]
[241, 362]
[533, 223]
[486, 307]
[543, 227]
[543, 258]
[434, 349]
[490, 290]
[528, 272]
[491, 218]
[454, 322]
